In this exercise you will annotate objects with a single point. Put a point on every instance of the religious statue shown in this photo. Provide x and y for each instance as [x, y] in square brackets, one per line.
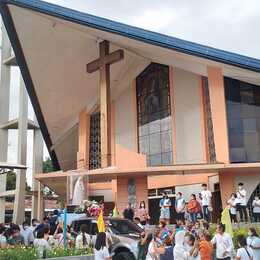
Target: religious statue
[79, 192]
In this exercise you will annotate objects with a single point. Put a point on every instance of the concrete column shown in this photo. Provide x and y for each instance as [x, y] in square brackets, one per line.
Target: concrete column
[218, 111]
[40, 203]
[37, 168]
[4, 113]
[19, 203]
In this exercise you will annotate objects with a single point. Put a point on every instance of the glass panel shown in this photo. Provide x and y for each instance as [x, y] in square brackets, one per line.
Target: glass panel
[154, 115]
[166, 158]
[243, 114]
[155, 160]
[155, 143]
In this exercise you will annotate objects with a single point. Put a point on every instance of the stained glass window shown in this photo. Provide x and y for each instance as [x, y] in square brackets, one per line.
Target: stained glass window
[94, 146]
[243, 116]
[154, 115]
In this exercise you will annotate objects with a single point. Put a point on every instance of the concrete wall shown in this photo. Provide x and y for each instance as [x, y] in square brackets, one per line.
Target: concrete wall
[189, 142]
[124, 114]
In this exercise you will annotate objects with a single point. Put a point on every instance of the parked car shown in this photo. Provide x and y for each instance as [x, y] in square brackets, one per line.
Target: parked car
[123, 233]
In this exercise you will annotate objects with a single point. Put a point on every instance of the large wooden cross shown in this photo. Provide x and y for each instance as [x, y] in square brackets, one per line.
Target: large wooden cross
[103, 65]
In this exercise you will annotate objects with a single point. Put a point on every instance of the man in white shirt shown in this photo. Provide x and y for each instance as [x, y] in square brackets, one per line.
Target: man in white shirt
[180, 206]
[256, 209]
[206, 201]
[27, 234]
[223, 242]
[241, 202]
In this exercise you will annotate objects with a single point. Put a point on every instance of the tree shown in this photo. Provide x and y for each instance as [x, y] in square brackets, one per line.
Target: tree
[11, 182]
[47, 165]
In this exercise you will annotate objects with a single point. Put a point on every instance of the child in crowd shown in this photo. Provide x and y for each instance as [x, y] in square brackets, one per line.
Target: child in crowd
[244, 252]
[83, 239]
[41, 244]
[232, 202]
[256, 209]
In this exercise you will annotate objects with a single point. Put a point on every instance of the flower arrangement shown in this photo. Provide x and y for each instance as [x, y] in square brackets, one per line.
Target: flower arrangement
[91, 208]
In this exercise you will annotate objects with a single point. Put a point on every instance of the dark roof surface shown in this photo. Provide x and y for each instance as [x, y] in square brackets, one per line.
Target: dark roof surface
[139, 34]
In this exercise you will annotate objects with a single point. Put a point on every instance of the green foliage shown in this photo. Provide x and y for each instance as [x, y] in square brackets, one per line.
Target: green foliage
[30, 253]
[10, 180]
[47, 165]
[18, 253]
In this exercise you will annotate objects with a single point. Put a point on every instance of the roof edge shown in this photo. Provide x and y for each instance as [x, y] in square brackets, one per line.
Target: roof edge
[139, 34]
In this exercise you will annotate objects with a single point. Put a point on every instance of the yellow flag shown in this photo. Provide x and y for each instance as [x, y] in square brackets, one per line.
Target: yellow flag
[115, 212]
[225, 219]
[100, 222]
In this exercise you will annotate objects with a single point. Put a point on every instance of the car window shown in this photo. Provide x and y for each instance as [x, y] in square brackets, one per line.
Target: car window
[94, 228]
[124, 227]
[78, 223]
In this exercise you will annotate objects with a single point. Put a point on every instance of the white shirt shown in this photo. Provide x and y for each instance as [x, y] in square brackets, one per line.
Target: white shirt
[256, 206]
[255, 242]
[224, 244]
[2, 241]
[101, 254]
[180, 204]
[243, 254]
[241, 197]
[206, 197]
[41, 246]
[28, 236]
[232, 203]
[79, 241]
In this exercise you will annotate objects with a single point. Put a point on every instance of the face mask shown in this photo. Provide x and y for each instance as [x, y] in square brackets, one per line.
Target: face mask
[240, 187]
[186, 240]
[25, 227]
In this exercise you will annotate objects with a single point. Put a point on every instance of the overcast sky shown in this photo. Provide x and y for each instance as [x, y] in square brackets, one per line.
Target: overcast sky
[231, 25]
[226, 24]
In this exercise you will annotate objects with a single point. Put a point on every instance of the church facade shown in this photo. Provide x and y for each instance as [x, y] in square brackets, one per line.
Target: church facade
[132, 112]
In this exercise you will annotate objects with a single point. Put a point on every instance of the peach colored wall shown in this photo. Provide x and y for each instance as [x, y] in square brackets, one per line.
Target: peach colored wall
[122, 193]
[156, 182]
[128, 159]
[83, 151]
[187, 116]
[218, 111]
[226, 181]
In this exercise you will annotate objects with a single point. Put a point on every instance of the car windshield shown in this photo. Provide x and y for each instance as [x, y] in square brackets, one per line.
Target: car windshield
[124, 227]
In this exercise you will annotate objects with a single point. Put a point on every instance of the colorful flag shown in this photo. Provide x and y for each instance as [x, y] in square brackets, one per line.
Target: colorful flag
[100, 222]
[225, 219]
[115, 212]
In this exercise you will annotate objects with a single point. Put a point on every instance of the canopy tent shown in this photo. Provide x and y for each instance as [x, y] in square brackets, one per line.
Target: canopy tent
[53, 44]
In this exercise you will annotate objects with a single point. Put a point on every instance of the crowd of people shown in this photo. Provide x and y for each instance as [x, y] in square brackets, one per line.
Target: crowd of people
[193, 241]
[197, 207]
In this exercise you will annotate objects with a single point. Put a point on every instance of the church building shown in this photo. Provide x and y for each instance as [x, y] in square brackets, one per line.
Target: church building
[127, 113]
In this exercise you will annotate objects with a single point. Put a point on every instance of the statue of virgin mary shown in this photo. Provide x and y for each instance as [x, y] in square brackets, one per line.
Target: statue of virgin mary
[78, 192]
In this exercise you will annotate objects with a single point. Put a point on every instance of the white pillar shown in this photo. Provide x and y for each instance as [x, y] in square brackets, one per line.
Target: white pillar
[19, 202]
[37, 168]
[4, 113]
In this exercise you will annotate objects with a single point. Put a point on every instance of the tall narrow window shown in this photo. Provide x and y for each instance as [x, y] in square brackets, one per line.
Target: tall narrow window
[243, 116]
[209, 124]
[94, 147]
[154, 115]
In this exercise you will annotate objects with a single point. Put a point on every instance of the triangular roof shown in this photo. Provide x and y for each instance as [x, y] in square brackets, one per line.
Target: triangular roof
[41, 47]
